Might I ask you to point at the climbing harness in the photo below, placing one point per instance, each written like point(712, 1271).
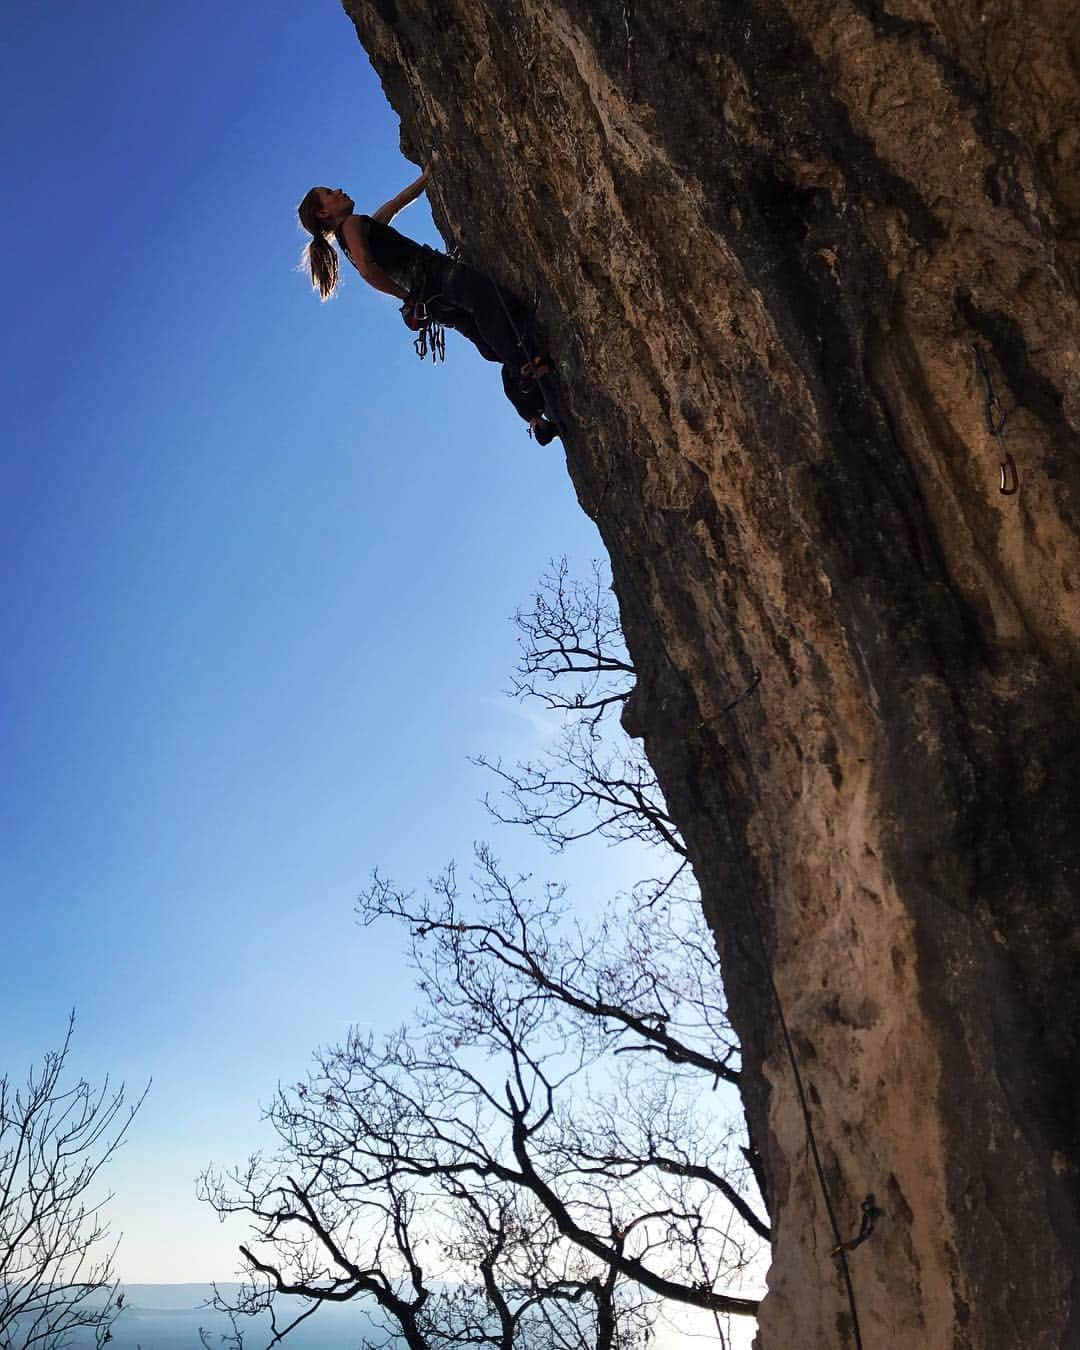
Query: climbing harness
point(430, 334)
point(425, 312)
point(996, 417)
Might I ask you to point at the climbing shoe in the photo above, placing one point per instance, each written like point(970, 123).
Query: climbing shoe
point(544, 432)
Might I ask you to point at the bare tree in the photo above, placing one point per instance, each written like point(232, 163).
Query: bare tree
point(640, 988)
point(644, 978)
point(509, 1146)
point(538, 1159)
point(572, 654)
point(56, 1258)
point(442, 1261)
point(226, 1340)
point(594, 780)
point(584, 787)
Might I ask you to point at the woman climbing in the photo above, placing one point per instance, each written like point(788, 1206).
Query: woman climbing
point(437, 291)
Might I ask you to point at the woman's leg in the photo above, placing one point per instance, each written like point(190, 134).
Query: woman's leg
point(463, 322)
point(494, 321)
point(499, 316)
point(525, 395)
point(433, 282)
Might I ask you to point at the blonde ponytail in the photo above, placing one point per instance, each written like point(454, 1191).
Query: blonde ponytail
point(320, 257)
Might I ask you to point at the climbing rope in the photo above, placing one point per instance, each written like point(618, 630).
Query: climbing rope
point(996, 417)
point(841, 1248)
point(528, 363)
point(870, 1212)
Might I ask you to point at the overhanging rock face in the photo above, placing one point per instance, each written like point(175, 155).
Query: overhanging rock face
point(764, 241)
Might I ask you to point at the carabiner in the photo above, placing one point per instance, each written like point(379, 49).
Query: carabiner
point(1010, 479)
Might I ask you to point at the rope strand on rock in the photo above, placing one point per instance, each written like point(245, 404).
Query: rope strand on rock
point(527, 356)
point(996, 417)
point(841, 1247)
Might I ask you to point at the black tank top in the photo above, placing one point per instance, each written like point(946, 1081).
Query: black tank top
point(393, 252)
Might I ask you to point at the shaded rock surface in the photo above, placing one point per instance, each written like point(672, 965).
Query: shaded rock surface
point(763, 241)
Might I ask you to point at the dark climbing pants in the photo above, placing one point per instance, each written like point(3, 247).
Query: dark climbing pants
point(490, 317)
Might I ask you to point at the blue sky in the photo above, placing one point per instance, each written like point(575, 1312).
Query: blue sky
point(257, 569)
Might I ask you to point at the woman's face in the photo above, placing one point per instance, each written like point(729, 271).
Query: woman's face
point(334, 203)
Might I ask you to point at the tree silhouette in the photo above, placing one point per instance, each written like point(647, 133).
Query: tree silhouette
point(536, 1160)
point(56, 1259)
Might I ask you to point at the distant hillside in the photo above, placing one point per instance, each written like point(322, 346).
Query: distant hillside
point(168, 1317)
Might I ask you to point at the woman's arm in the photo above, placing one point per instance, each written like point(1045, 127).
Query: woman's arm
point(386, 213)
point(354, 232)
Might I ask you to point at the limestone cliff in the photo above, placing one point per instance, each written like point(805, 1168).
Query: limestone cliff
point(764, 240)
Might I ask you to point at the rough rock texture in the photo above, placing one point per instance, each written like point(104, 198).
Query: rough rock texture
point(763, 239)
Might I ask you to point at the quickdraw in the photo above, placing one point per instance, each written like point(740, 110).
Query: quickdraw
point(430, 334)
point(996, 417)
point(870, 1216)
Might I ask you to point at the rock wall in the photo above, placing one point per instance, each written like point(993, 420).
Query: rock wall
point(764, 240)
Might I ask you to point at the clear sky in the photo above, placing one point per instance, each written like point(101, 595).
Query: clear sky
point(257, 565)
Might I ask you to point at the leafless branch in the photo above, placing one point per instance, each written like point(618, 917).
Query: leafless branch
point(56, 1258)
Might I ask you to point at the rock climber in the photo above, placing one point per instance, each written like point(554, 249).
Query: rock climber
point(437, 291)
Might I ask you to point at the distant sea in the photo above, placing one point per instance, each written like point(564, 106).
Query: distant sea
point(168, 1317)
